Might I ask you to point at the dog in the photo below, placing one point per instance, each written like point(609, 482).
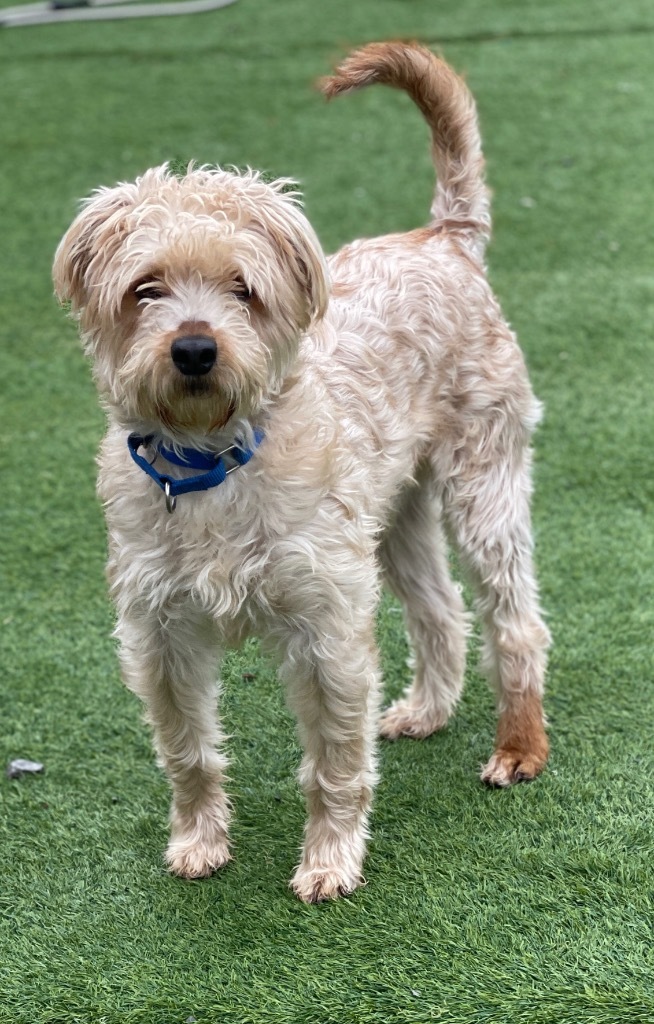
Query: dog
point(285, 432)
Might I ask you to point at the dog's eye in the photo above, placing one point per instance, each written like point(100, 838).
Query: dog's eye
point(241, 290)
point(150, 291)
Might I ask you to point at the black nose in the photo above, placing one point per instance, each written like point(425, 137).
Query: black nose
point(194, 355)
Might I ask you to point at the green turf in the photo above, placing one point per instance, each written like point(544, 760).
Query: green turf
point(482, 907)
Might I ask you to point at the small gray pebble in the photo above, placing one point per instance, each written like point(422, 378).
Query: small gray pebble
point(22, 767)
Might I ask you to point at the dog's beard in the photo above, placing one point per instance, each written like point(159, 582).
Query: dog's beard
point(149, 392)
point(191, 404)
point(197, 387)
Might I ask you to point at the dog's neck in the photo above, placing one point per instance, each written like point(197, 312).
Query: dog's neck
point(214, 468)
point(241, 426)
point(204, 443)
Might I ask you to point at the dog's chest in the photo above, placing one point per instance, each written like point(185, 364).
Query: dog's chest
point(217, 558)
point(215, 551)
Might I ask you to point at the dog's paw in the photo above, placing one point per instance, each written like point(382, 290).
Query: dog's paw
point(404, 719)
point(196, 860)
point(507, 767)
point(316, 885)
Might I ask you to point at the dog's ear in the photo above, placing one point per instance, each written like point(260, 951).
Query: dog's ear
point(296, 244)
point(310, 268)
point(92, 238)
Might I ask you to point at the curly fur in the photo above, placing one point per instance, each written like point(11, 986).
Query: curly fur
point(396, 409)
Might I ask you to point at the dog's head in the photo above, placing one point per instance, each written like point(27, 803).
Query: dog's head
point(192, 294)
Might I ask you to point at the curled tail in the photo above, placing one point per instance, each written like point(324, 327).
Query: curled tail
point(462, 198)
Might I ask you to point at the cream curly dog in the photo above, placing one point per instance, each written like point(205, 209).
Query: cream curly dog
point(318, 425)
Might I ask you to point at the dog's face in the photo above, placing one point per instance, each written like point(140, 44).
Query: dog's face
point(192, 294)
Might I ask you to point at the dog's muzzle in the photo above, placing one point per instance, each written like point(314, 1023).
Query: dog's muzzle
point(194, 355)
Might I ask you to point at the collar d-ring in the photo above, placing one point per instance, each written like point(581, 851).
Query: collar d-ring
point(171, 500)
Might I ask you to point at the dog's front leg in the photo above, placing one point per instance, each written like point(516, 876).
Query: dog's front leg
point(331, 667)
point(170, 660)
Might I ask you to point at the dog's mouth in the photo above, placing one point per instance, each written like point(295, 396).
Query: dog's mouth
point(202, 402)
point(197, 406)
point(197, 387)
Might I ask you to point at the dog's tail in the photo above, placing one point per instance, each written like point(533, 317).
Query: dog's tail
point(462, 199)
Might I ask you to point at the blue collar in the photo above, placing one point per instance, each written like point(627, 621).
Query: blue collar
point(214, 465)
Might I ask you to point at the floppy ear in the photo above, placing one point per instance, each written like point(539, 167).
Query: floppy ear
point(310, 265)
point(285, 226)
point(95, 234)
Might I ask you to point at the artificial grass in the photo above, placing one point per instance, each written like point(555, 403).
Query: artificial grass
point(526, 907)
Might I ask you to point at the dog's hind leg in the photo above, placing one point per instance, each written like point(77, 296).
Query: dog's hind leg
point(413, 555)
point(171, 661)
point(486, 502)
